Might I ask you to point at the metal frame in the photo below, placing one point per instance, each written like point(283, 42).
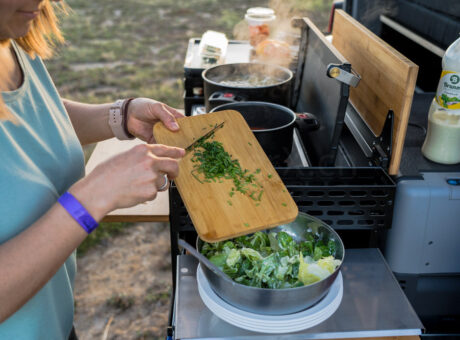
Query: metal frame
point(377, 149)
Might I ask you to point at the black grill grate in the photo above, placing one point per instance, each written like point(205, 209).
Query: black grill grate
point(344, 198)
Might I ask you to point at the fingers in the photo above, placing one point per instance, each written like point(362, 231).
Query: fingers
point(166, 151)
point(176, 113)
point(162, 159)
point(167, 166)
point(168, 116)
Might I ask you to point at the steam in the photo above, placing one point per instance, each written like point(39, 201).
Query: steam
point(279, 49)
point(280, 29)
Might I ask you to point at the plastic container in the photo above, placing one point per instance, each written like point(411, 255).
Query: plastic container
point(442, 142)
point(213, 48)
point(258, 19)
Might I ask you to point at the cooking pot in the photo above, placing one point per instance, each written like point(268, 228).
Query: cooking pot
point(272, 125)
point(216, 93)
point(280, 301)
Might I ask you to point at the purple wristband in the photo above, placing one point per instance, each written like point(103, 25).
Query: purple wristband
point(78, 212)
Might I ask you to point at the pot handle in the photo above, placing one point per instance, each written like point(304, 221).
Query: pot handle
point(220, 97)
point(306, 121)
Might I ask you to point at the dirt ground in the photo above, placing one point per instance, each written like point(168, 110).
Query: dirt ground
point(123, 286)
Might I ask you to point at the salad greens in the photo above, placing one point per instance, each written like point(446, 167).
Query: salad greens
point(274, 260)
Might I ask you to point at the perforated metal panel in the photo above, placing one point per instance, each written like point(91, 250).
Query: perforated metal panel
point(344, 198)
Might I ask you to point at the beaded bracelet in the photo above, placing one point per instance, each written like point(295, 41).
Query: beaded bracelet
point(78, 212)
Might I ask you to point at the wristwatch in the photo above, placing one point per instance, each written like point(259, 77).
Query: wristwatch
point(116, 118)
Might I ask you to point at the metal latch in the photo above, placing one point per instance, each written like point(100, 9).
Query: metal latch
point(335, 71)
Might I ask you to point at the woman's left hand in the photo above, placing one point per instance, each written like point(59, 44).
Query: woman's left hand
point(143, 113)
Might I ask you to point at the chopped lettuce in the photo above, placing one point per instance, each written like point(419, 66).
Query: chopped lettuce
point(274, 260)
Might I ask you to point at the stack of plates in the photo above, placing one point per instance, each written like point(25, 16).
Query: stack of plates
point(271, 323)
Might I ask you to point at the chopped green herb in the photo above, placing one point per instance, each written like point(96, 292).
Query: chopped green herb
point(229, 202)
point(246, 224)
point(270, 175)
point(260, 195)
point(213, 163)
point(284, 204)
point(250, 144)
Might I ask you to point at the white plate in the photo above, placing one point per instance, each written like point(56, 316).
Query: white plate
point(271, 323)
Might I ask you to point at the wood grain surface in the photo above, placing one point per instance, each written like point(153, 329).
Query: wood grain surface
point(387, 79)
point(216, 214)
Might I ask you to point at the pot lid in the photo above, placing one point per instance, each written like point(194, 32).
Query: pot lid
point(260, 13)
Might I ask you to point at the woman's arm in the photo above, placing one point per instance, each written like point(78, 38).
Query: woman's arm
point(90, 121)
point(30, 259)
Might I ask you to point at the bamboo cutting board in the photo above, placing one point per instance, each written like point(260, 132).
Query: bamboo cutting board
point(216, 214)
point(387, 79)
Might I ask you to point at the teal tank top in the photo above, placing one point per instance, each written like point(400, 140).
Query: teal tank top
point(41, 158)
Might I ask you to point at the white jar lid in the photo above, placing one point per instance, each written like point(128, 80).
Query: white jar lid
point(260, 14)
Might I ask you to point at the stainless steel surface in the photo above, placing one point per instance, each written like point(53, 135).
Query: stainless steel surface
point(204, 260)
point(298, 153)
point(373, 305)
point(355, 131)
point(280, 301)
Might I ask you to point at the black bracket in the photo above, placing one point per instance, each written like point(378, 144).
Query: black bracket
point(382, 145)
point(377, 149)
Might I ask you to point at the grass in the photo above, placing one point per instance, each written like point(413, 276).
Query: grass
point(153, 297)
point(148, 40)
point(102, 233)
point(121, 302)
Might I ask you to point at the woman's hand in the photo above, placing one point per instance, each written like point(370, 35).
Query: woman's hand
point(143, 113)
point(128, 179)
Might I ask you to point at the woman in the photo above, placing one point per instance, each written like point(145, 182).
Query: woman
point(47, 205)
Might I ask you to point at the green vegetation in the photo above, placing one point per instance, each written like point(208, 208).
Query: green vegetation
point(121, 302)
point(103, 232)
point(153, 297)
point(117, 49)
point(274, 260)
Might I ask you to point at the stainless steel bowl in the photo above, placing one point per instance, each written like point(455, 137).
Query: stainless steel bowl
point(279, 301)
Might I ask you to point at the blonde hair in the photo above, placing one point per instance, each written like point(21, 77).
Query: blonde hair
point(39, 40)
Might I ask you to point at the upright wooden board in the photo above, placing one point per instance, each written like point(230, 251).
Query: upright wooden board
point(216, 214)
point(387, 79)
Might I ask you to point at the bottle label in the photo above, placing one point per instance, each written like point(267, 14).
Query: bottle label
point(448, 93)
